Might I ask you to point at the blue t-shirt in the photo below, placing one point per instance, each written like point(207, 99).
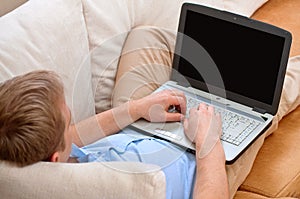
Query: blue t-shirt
point(177, 164)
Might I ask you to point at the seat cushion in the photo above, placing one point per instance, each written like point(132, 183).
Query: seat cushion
point(249, 195)
point(276, 170)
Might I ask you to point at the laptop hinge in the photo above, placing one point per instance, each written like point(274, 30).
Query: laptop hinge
point(259, 110)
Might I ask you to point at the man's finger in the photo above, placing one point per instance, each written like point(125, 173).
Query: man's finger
point(173, 117)
point(185, 124)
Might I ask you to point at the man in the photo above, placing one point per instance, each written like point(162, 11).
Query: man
point(35, 125)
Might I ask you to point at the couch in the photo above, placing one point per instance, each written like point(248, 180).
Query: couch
point(108, 52)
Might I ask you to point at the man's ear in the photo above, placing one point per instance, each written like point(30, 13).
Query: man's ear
point(54, 157)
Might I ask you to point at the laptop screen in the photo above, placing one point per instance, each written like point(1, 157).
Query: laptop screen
point(249, 56)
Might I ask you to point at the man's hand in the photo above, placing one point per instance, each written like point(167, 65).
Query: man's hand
point(203, 127)
point(155, 107)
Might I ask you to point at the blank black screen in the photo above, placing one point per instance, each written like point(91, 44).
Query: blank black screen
point(248, 59)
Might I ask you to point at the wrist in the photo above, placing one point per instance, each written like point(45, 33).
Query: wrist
point(215, 157)
point(135, 109)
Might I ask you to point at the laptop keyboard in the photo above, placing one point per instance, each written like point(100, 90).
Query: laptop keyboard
point(235, 127)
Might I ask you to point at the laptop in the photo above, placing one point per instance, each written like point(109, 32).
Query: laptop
point(231, 62)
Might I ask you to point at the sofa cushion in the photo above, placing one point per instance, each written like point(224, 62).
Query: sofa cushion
point(50, 35)
point(165, 14)
point(276, 171)
point(85, 180)
point(250, 195)
point(109, 22)
point(283, 14)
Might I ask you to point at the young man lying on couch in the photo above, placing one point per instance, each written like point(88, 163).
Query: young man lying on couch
point(35, 126)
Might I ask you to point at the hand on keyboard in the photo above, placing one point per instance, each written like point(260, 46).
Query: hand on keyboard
point(174, 109)
point(156, 107)
point(204, 128)
point(235, 127)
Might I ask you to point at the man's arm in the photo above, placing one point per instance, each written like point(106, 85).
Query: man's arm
point(204, 128)
point(211, 179)
point(152, 108)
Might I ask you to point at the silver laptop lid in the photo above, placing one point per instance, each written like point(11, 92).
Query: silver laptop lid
point(250, 56)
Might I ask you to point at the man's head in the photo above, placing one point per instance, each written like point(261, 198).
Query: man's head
point(34, 119)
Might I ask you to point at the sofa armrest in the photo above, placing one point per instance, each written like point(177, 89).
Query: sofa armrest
point(85, 180)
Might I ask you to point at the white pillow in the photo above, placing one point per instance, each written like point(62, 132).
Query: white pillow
point(50, 35)
point(108, 24)
point(84, 180)
point(165, 14)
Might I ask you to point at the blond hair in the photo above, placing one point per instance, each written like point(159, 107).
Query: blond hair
point(31, 121)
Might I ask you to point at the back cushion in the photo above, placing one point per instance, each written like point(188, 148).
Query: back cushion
point(49, 35)
point(108, 23)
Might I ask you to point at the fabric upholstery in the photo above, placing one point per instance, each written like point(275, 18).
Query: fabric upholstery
point(249, 195)
point(85, 180)
point(50, 35)
point(274, 173)
point(108, 23)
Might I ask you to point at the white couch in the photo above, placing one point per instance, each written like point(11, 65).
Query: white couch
point(83, 40)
